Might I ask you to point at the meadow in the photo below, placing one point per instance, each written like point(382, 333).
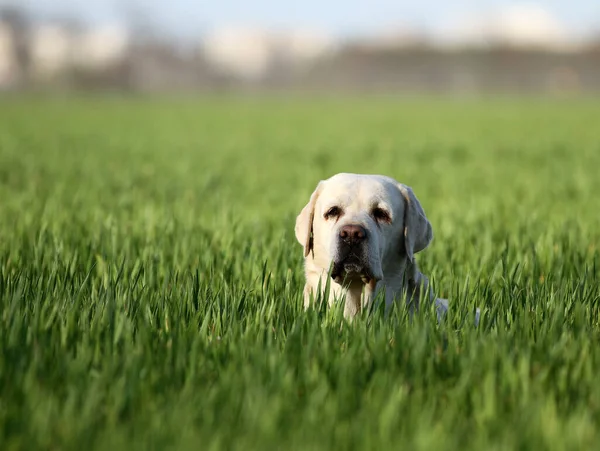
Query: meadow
point(150, 280)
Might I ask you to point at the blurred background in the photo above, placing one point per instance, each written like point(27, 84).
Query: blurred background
point(460, 47)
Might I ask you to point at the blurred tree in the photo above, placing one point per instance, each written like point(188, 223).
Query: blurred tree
point(19, 24)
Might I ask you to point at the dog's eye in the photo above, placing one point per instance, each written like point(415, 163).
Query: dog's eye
point(333, 212)
point(381, 215)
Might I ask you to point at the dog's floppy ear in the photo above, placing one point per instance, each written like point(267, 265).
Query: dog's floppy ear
point(417, 228)
point(304, 221)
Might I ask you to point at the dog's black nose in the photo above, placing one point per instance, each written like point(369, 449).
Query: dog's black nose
point(352, 234)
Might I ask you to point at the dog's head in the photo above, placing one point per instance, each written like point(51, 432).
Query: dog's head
point(359, 224)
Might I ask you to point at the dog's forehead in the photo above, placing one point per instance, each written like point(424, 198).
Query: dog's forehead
point(353, 189)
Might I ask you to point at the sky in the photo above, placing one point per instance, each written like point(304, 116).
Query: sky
point(188, 18)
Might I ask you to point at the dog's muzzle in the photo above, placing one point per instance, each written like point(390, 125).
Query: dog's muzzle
point(351, 264)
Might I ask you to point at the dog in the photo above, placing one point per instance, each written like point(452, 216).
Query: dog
point(363, 232)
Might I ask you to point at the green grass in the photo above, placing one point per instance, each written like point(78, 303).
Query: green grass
point(150, 281)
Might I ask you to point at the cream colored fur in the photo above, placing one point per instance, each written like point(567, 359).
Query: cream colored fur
point(388, 252)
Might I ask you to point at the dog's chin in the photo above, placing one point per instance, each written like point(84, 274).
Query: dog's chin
point(351, 271)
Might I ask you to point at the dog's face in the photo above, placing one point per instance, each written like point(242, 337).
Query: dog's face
point(357, 225)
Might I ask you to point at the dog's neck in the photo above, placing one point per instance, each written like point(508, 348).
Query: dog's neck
point(416, 285)
point(406, 279)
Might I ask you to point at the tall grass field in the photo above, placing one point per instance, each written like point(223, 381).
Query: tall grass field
point(151, 283)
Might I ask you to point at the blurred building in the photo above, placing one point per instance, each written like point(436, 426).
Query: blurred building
point(250, 53)
point(51, 51)
point(100, 48)
point(516, 50)
point(57, 49)
point(525, 26)
point(8, 63)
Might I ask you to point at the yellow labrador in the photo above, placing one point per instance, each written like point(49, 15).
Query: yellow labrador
point(363, 231)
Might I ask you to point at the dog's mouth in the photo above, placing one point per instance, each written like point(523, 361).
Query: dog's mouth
point(351, 269)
